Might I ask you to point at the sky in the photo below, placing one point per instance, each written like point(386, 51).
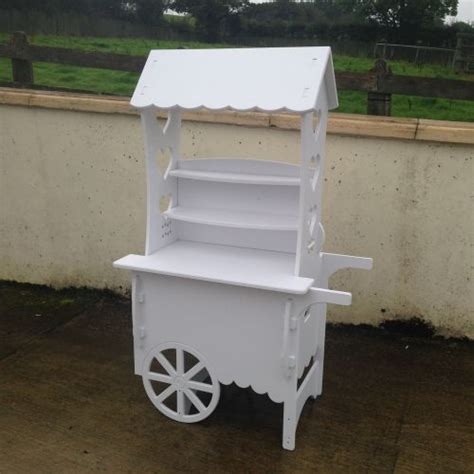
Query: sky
point(465, 11)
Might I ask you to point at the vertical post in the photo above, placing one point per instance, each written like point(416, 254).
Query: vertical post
point(310, 230)
point(457, 60)
point(464, 54)
point(417, 55)
point(379, 103)
point(22, 68)
point(160, 231)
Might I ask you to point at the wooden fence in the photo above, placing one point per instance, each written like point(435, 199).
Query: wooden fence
point(379, 83)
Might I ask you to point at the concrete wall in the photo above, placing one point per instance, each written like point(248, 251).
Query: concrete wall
point(72, 199)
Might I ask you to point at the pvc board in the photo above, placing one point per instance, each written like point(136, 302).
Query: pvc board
point(252, 268)
point(267, 79)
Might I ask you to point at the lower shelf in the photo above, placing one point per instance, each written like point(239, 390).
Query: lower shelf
point(237, 219)
point(243, 178)
point(261, 269)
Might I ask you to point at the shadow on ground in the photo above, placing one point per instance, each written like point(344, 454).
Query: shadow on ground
point(69, 401)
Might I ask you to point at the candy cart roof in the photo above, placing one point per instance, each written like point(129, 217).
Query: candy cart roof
point(266, 79)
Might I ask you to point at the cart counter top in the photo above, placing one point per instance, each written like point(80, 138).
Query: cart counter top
point(252, 268)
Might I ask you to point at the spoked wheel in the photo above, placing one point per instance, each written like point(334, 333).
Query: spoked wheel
point(180, 383)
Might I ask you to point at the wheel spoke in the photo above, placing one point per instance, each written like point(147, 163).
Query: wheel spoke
point(201, 387)
point(180, 361)
point(165, 394)
point(165, 363)
point(194, 370)
point(181, 403)
point(159, 377)
point(194, 399)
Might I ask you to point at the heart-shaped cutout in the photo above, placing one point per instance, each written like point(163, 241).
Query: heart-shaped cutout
point(312, 219)
point(163, 160)
point(316, 162)
point(165, 202)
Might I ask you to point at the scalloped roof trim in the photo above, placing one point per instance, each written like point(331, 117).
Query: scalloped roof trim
point(222, 108)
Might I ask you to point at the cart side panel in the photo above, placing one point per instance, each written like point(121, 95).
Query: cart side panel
point(311, 325)
point(238, 330)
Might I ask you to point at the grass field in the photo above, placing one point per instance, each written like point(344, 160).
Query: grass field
point(122, 83)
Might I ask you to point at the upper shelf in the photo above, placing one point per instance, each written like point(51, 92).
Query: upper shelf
point(266, 79)
point(238, 170)
point(241, 178)
point(252, 268)
point(230, 218)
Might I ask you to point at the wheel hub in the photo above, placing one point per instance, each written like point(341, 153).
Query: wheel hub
point(179, 382)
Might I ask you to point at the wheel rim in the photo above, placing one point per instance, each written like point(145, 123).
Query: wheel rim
point(180, 383)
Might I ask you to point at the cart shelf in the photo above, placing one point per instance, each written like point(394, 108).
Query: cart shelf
point(262, 269)
point(231, 218)
point(238, 178)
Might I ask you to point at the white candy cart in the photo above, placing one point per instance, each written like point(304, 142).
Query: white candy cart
point(233, 285)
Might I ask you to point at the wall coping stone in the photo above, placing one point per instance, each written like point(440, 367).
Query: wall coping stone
point(339, 123)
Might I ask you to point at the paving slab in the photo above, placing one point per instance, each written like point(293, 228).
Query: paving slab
point(69, 401)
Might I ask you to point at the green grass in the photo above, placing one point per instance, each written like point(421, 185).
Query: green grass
point(403, 68)
point(102, 81)
point(123, 83)
point(132, 46)
point(354, 102)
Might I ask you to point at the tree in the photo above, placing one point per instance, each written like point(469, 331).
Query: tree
point(404, 18)
point(210, 15)
point(150, 12)
point(96, 8)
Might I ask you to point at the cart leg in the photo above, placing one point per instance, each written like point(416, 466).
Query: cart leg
point(290, 422)
point(320, 338)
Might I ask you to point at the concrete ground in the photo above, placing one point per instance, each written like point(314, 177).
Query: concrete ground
point(69, 401)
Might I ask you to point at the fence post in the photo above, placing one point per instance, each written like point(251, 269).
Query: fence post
point(22, 68)
point(379, 103)
point(464, 54)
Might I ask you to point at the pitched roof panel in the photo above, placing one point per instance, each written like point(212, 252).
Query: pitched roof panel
point(267, 79)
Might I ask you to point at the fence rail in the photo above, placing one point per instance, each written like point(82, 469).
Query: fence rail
point(417, 54)
point(379, 83)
